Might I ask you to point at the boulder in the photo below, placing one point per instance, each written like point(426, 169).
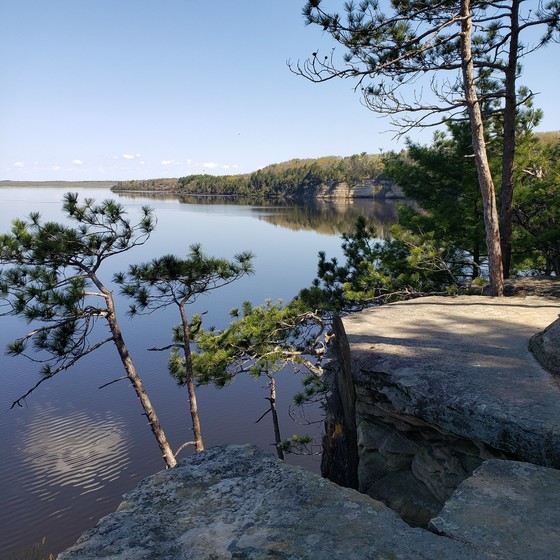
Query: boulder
point(545, 346)
point(241, 502)
point(443, 384)
point(506, 508)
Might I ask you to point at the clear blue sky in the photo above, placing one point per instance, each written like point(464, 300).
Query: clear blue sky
point(127, 89)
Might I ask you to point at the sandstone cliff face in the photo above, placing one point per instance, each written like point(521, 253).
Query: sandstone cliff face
point(413, 466)
point(509, 509)
point(369, 188)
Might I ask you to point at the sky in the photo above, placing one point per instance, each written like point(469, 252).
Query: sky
point(132, 89)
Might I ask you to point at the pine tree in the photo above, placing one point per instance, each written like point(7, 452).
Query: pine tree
point(50, 277)
point(169, 280)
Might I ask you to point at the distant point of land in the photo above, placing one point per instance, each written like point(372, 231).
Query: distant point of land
point(60, 184)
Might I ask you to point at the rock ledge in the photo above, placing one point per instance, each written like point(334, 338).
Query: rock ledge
point(241, 502)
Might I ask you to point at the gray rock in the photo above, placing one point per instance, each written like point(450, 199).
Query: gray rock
point(339, 461)
point(443, 384)
point(546, 347)
point(506, 508)
point(240, 502)
point(462, 365)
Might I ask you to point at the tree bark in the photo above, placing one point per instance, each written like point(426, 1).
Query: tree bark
point(275, 422)
point(508, 148)
point(197, 431)
point(486, 183)
point(136, 382)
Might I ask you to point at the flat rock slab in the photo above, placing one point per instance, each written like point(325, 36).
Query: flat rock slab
point(463, 364)
point(507, 508)
point(241, 502)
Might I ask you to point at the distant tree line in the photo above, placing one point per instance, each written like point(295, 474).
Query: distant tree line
point(297, 178)
point(439, 246)
point(162, 184)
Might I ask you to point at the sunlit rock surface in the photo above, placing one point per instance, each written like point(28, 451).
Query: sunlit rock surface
point(443, 384)
point(506, 508)
point(241, 502)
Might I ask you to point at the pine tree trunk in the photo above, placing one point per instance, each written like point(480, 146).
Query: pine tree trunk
point(486, 183)
point(508, 149)
point(136, 382)
point(197, 431)
point(275, 422)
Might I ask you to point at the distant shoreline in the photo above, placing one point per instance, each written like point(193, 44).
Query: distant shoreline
point(59, 184)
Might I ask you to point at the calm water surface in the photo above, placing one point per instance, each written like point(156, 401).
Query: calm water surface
point(74, 449)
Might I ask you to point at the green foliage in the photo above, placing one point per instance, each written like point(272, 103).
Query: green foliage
point(387, 47)
point(537, 207)
point(549, 137)
point(169, 280)
point(153, 185)
point(442, 179)
point(297, 178)
point(263, 339)
point(377, 270)
point(297, 444)
point(49, 276)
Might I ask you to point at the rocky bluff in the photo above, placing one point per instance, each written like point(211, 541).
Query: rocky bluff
point(437, 409)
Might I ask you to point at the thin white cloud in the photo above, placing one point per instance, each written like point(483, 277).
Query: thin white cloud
point(19, 164)
point(56, 167)
point(167, 161)
point(210, 165)
point(128, 156)
point(77, 162)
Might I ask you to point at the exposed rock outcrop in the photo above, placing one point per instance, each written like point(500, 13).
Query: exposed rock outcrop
point(339, 461)
point(439, 389)
point(241, 502)
point(443, 384)
point(506, 508)
point(368, 188)
point(545, 346)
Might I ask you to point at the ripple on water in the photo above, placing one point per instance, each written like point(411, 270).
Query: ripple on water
point(63, 455)
point(75, 450)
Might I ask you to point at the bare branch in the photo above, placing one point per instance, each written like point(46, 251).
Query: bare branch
point(114, 381)
point(268, 410)
point(163, 348)
point(63, 367)
point(181, 447)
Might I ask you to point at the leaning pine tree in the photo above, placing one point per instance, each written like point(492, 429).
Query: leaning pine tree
point(171, 281)
point(49, 277)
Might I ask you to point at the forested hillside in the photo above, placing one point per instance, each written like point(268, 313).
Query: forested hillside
point(297, 178)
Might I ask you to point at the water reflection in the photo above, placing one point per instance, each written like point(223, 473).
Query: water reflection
point(62, 456)
point(333, 216)
point(73, 450)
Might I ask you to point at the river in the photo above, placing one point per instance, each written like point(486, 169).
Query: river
point(71, 452)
